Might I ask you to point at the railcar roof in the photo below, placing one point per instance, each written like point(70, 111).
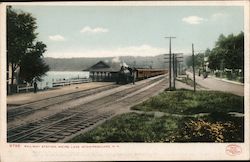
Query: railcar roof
point(150, 69)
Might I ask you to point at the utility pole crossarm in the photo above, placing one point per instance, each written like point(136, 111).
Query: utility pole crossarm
point(170, 37)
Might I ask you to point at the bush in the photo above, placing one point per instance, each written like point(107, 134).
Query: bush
point(241, 79)
point(217, 74)
point(204, 130)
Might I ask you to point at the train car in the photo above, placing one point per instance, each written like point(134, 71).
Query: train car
point(147, 73)
point(127, 74)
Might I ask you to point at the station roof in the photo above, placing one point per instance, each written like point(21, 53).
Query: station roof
point(102, 66)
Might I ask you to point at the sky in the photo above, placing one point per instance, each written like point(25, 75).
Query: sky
point(111, 31)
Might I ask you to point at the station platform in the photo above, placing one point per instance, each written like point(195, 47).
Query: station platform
point(23, 98)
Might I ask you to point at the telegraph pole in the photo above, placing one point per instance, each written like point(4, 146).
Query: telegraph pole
point(176, 57)
point(179, 68)
point(170, 74)
point(174, 70)
point(193, 67)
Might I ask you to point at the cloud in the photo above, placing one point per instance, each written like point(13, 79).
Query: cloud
point(56, 38)
point(219, 15)
point(193, 19)
point(142, 50)
point(95, 30)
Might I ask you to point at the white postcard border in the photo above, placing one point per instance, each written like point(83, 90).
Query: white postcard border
point(121, 151)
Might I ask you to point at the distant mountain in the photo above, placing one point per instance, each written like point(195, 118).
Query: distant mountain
point(79, 64)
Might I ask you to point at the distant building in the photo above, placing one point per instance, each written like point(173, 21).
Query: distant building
point(104, 71)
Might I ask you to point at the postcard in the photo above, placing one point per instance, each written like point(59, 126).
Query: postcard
point(124, 80)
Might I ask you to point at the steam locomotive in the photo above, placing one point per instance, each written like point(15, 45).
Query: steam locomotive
point(129, 75)
point(125, 75)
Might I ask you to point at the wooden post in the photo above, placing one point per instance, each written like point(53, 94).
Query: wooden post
point(176, 65)
point(174, 70)
point(170, 70)
point(179, 68)
point(193, 67)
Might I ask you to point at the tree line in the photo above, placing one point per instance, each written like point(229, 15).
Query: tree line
point(24, 51)
point(228, 53)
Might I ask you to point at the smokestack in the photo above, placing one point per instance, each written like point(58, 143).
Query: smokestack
point(124, 64)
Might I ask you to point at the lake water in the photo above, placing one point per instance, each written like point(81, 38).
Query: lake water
point(55, 76)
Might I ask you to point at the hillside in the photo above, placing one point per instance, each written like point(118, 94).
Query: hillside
point(79, 64)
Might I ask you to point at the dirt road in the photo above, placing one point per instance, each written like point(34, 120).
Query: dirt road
point(218, 85)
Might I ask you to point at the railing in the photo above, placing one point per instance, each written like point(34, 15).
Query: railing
point(55, 84)
point(69, 82)
point(19, 88)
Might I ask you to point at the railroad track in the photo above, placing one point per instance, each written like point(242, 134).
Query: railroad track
point(45, 103)
point(63, 124)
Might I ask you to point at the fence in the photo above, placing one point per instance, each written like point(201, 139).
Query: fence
point(69, 82)
point(54, 84)
point(27, 88)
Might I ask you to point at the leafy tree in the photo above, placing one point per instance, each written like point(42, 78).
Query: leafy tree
point(220, 41)
point(21, 45)
point(188, 61)
point(207, 52)
point(216, 58)
point(228, 52)
point(234, 55)
point(198, 58)
point(32, 66)
point(20, 35)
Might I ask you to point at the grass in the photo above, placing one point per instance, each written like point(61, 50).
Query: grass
point(218, 126)
point(188, 102)
point(187, 81)
point(132, 127)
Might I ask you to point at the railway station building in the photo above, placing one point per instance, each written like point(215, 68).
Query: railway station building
point(104, 71)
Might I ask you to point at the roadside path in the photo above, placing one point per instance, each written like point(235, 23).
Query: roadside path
point(218, 85)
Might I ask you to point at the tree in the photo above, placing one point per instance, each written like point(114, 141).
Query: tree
point(198, 58)
point(207, 52)
point(188, 61)
point(234, 55)
point(32, 66)
point(215, 58)
point(21, 45)
point(20, 35)
point(228, 51)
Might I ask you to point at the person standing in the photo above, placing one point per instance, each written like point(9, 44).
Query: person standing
point(35, 87)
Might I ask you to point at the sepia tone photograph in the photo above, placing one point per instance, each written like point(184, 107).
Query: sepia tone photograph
point(124, 73)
